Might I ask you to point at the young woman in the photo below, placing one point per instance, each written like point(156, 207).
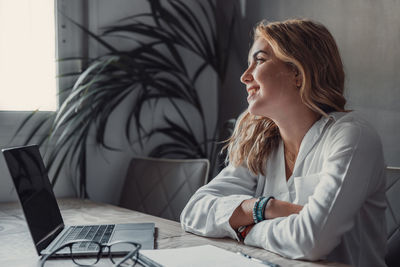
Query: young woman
point(305, 177)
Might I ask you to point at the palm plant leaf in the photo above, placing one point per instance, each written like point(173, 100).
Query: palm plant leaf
point(153, 71)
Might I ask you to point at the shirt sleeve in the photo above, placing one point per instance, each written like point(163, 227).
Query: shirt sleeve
point(208, 211)
point(351, 170)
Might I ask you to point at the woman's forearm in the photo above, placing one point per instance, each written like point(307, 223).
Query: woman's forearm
point(243, 214)
point(278, 208)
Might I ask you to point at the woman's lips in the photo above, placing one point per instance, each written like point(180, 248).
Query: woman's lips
point(252, 92)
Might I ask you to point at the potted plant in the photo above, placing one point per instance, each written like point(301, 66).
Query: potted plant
point(155, 71)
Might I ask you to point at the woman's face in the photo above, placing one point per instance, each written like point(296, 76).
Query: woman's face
point(272, 85)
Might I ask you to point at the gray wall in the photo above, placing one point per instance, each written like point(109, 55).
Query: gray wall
point(368, 36)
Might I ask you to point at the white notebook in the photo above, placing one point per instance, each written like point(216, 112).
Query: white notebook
point(206, 255)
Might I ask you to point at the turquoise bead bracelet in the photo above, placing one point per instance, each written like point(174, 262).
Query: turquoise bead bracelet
point(259, 209)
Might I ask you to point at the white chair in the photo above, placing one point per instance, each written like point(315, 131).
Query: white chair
point(162, 187)
point(393, 216)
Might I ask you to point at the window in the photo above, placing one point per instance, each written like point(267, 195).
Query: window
point(27, 53)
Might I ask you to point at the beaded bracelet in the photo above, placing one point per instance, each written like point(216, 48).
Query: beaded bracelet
point(259, 209)
point(263, 204)
point(256, 210)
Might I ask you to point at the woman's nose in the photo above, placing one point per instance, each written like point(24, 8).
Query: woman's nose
point(246, 76)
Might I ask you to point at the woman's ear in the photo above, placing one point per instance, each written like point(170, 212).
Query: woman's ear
point(297, 75)
point(299, 80)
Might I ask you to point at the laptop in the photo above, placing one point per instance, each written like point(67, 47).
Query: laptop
point(43, 215)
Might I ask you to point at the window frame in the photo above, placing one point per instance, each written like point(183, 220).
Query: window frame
point(70, 42)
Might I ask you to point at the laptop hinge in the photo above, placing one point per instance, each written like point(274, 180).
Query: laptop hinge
point(50, 236)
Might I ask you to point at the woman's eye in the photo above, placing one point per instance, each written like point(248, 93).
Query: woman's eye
point(259, 59)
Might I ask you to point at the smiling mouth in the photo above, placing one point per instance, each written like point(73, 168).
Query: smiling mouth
point(252, 91)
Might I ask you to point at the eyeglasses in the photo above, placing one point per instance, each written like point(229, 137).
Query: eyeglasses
point(116, 250)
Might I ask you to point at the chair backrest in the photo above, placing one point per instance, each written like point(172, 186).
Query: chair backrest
point(393, 215)
point(162, 187)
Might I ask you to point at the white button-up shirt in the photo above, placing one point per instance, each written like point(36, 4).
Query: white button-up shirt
point(339, 179)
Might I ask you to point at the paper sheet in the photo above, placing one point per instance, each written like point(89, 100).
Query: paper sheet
point(206, 255)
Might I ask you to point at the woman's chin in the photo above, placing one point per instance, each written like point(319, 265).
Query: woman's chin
point(258, 110)
point(254, 111)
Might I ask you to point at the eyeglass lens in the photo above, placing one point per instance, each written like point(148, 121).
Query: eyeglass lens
point(80, 258)
point(119, 250)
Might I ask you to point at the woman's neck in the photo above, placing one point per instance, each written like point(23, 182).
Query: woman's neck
point(293, 128)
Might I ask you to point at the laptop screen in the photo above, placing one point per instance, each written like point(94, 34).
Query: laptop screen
point(35, 194)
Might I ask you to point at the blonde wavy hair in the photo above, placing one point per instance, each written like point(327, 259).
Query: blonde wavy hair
point(309, 47)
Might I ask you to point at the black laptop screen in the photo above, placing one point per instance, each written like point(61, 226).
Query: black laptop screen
point(35, 194)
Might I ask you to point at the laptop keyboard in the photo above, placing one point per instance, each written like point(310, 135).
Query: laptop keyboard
point(99, 233)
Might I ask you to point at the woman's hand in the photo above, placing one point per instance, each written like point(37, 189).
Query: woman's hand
point(243, 214)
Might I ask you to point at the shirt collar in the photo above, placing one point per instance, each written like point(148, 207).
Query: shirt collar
point(313, 135)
